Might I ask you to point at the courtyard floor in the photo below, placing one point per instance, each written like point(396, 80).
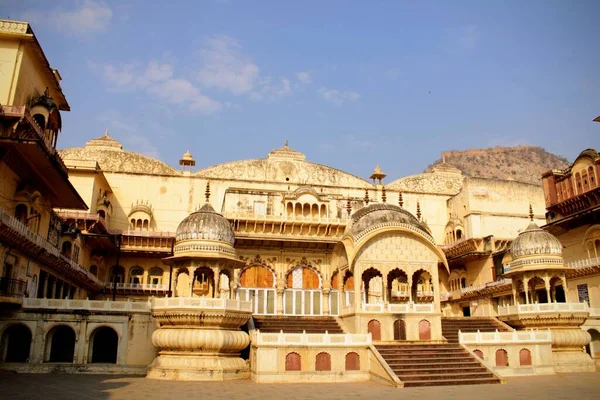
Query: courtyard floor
point(581, 386)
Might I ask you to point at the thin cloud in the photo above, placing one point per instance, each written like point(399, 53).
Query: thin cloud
point(225, 67)
point(338, 97)
point(304, 77)
point(91, 16)
point(464, 39)
point(158, 80)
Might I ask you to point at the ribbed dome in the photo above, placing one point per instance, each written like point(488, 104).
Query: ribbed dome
point(535, 241)
point(383, 214)
point(205, 224)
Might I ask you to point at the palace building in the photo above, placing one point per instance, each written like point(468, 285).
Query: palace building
point(278, 269)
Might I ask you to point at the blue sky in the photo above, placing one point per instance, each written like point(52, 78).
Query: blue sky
point(351, 84)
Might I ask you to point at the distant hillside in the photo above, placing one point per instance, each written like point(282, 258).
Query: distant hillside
point(520, 163)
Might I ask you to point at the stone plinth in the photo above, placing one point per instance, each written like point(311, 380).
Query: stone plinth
point(200, 339)
point(563, 321)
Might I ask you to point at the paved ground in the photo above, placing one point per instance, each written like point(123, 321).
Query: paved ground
point(581, 386)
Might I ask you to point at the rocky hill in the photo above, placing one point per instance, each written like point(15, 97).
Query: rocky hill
point(520, 163)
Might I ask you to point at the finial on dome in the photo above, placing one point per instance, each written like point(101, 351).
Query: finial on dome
point(349, 206)
point(383, 196)
point(366, 196)
point(106, 132)
point(207, 192)
point(418, 211)
point(286, 144)
point(530, 213)
point(400, 200)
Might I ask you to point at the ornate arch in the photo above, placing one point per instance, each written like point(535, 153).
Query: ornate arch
point(103, 325)
point(263, 265)
point(61, 323)
point(307, 266)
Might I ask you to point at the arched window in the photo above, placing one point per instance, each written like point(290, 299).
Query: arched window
point(478, 353)
point(102, 214)
point(524, 357)
point(501, 358)
point(459, 234)
point(136, 275)
point(257, 276)
point(374, 328)
point(352, 362)
point(94, 270)
point(303, 277)
point(293, 362)
point(155, 276)
point(399, 329)
point(67, 249)
point(40, 120)
point(323, 362)
point(592, 177)
point(424, 330)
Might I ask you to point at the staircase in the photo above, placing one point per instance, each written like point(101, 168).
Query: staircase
point(451, 326)
point(434, 365)
point(291, 324)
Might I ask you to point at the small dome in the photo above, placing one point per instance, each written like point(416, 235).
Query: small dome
point(187, 156)
point(534, 241)
point(383, 214)
point(205, 224)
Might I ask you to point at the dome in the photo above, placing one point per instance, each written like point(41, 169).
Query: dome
point(378, 215)
point(534, 241)
point(205, 224)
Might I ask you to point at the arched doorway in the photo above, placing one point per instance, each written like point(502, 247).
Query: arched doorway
point(424, 330)
point(61, 343)
point(374, 328)
point(348, 288)
point(593, 348)
point(16, 344)
point(399, 329)
point(257, 285)
point(303, 295)
point(105, 343)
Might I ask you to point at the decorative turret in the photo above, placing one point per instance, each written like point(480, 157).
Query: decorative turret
point(187, 160)
point(377, 175)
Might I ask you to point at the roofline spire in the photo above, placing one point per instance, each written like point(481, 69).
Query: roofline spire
point(530, 213)
point(207, 192)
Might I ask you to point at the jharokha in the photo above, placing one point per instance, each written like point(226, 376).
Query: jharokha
point(278, 269)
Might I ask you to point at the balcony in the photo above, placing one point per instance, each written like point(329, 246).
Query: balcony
point(12, 291)
point(90, 220)
point(544, 309)
point(148, 242)
point(33, 157)
point(399, 308)
point(18, 236)
point(581, 268)
point(254, 225)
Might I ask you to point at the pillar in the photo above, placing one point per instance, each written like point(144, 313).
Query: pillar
point(174, 278)
point(326, 301)
point(526, 288)
point(192, 271)
point(547, 284)
point(384, 295)
point(279, 310)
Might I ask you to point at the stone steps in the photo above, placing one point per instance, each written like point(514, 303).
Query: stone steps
point(434, 364)
point(291, 324)
point(451, 326)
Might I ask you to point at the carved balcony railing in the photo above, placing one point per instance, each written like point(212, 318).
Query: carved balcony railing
point(90, 305)
point(12, 287)
point(136, 287)
point(252, 225)
point(516, 337)
point(18, 235)
point(543, 308)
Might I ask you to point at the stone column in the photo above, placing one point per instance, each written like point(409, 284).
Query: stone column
point(279, 309)
point(384, 295)
point(547, 284)
point(526, 288)
point(325, 304)
point(174, 277)
point(192, 271)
